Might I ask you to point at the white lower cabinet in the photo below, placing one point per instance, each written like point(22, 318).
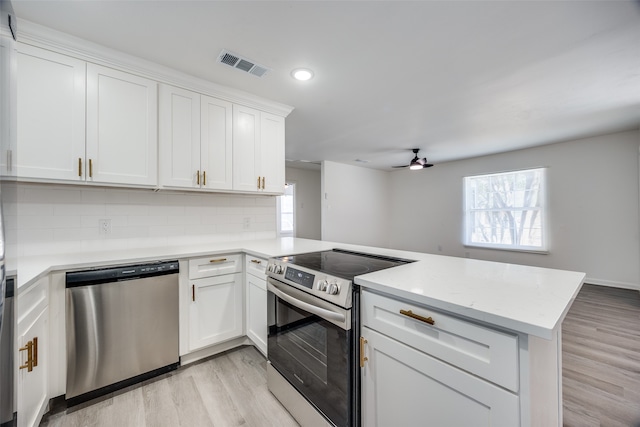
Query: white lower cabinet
point(425, 366)
point(402, 386)
point(256, 289)
point(215, 300)
point(216, 310)
point(32, 353)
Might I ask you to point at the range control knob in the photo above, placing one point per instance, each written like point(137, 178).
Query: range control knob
point(269, 267)
point(322, 285)
point(279, 269)
point(333, 289)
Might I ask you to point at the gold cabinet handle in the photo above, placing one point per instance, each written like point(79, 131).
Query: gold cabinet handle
point(204, 178)
point(90, 168)
point(193, 292)
point(217, 260)
point(256, 261)
point(411, 314)
point(29, 363)
point(263, 180)
point(362, 356)
point(35, 351)
point(258, 183)
point(198, 177)
point(79, 166)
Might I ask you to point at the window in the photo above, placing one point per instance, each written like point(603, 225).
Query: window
point(286, 211)
point(506, 210)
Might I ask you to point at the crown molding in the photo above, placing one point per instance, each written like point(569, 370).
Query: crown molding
point(47, 38)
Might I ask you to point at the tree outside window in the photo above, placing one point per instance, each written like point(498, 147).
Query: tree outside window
point(506, 210)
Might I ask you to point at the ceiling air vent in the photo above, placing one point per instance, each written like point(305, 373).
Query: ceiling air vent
point(241, 63)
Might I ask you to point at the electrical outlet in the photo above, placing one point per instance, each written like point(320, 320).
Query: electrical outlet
point(104, 226)
point(246, 223)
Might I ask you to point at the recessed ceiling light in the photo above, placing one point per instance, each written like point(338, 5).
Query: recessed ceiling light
point(302, 74)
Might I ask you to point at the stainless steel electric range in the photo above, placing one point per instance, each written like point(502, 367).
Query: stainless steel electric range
point(314, 327)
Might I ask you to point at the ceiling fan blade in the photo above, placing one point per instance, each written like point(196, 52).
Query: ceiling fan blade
point(427, 165)
point(405, 166)
point(422, 161)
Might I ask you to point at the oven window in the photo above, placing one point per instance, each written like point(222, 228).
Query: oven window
point(313, 355)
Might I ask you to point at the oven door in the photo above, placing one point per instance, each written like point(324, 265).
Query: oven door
point(310, 344)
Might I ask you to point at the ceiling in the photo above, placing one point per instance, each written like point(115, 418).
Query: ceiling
point(456, 79)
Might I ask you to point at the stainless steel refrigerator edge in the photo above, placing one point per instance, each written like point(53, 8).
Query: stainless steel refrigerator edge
point(7, 137)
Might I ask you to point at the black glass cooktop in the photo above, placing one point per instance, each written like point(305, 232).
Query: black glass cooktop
point(341, 263)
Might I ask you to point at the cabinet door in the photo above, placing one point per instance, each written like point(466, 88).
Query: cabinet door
point(122, 117)
point(402, 386)
point(272, 152)
point(32, 386)
point(50, 115)
point(216, 145)
point(246, 148)
point(257, 311)
point(215, 310)
point(179, 137)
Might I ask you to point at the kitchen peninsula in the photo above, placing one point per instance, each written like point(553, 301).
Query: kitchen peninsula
point(497, 331)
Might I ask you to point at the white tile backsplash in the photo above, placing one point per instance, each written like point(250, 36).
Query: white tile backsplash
point(52, 218)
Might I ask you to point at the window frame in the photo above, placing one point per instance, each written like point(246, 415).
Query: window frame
point(542, 213)
point(279, 212)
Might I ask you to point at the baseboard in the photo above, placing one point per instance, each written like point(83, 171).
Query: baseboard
point(612, 283)
point(214, 349)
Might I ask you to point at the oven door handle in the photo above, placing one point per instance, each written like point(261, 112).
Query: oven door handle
point(313, 309)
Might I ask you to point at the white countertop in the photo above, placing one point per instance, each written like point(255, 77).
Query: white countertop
point(525, 299)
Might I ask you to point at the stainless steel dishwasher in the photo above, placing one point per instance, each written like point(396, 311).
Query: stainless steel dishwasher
point(121, 327)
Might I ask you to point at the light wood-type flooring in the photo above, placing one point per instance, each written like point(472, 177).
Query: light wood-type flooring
point(226, 390)
point(601, 379)
point(601, 358)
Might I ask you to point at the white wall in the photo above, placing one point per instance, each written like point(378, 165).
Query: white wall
point(355, 205)
point(593, 193)
point(52, 219)
point(308, 206)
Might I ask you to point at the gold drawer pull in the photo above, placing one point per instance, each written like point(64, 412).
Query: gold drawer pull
point(90, 168)
point(258, 183)
point(204, 178)
point(198, 177)
point(409, 313)
point(263, 180)
point(193, 292)
point(79, 167)
point(362, 356)
point(217, 260)
point(256, 261)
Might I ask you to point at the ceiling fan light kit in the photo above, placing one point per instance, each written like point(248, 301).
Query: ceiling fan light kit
point(416, 163)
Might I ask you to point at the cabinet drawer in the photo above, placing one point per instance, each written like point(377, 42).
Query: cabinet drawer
point(215, 265)
point(480, 350)
point(255, 266)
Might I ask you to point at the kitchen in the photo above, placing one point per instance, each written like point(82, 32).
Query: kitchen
point(54, 219)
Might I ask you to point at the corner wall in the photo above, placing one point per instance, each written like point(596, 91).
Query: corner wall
point(308, 206)
point(355, 205)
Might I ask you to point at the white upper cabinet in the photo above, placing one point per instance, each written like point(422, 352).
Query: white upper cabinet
point(179, 137)
point(216, 144)
point(122, 120)
point(272, 153)
point(195, 140)
point(50, 115)
point(258, 156)
point(246, 140)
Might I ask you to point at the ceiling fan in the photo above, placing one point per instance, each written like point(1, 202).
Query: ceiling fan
point(416, 163)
